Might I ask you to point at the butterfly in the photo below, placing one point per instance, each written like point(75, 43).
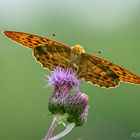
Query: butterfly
point(93, 69)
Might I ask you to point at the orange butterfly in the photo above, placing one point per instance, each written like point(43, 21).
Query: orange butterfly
point(93, 69)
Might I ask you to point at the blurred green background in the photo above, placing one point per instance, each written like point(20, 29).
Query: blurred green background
point(110, 26)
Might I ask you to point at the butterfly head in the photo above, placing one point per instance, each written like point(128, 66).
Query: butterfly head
point(77, 49)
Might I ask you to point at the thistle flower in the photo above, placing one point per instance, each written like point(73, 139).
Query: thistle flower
point(67, 103)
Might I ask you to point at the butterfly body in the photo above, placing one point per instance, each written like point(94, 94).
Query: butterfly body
point(93, 69)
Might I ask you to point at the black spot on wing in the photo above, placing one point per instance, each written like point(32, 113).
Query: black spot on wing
point(39, 50)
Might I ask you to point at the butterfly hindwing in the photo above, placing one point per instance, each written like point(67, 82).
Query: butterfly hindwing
point(95, 72)
point(52, 56)
point(124, 75)
point(109, 74)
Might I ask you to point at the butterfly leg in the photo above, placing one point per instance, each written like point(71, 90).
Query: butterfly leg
point(76, 68)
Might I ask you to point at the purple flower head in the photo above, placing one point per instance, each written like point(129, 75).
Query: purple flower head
point(63, 76)
point(63, 101)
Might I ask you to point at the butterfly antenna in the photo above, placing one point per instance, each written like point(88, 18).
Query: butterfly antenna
point(93, 51)
point(54, 35)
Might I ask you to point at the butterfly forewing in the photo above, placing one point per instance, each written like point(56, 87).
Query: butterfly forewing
point(31, 41)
